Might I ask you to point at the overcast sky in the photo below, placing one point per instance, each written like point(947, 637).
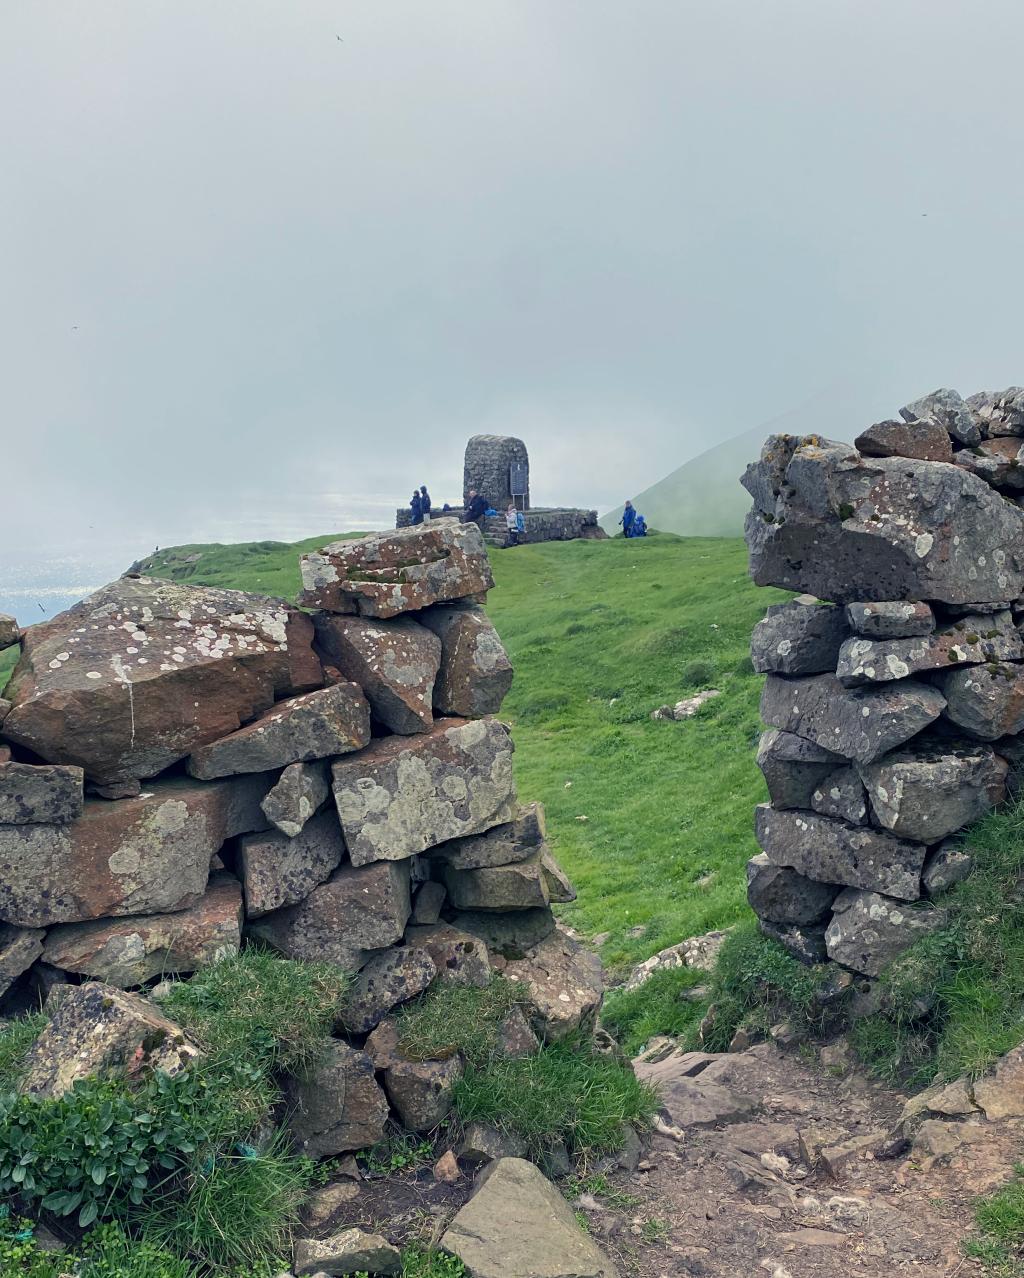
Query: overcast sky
point(257, 280)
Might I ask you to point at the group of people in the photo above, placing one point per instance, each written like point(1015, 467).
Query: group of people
point(633, 523)
point(476, 508)
point(420, 505)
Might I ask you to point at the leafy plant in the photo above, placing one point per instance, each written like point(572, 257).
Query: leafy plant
point(398, 1152)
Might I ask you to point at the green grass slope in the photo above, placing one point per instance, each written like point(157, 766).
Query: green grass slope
point(652, 819)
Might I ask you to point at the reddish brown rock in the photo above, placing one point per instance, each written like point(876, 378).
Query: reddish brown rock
point(148, 855)
point(329, 721)
point(998, 461)
point(9, 632)
point(279, 871)
point(142, 672)
point(128, 952)
point(394, 662)
point(475, 670)
point(389, 573)
point(926, 440)
point(421, 1091)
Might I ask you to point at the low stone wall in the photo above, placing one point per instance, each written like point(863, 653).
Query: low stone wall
point(542, 524)
point(894, 709)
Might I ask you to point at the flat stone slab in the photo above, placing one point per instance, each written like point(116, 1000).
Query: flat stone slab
point(985, 701)
point(403, 795)
point(42, 795)
point(798, 638)
point(501, 845)
point(353, 1251)
point(971, 640)
point(793, 767)
point(301, 790)
point(869, 930)
point(522, 885)
point(475, 671)
point(890, 620)
point(689, 1099)
point(832, 852)
point(389, 573)
point(858, 723)
point(278, 871)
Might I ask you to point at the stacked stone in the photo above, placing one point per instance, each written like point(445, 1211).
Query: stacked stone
point(184, 768)
point(893, 708)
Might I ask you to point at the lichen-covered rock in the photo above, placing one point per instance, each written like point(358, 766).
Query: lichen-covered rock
point(394, 662)
point(143, 672)
point(833, 852)
point(782, 895)
point(949, 410)
point(403, 795)
point(353, 1251)
point(97, 1029)
point(798, 638)
point(930, 789)
point(300, 791)
point(998, 412)
point(421, 1091)
point(1000, 462)
point(946, 866)
point(385, 981)
point(793, 767)
point(389, 573)
point(329, 721)
point(890, 619)
point(459, 957)
point(148, 855)
point(337, 1106)
point(968, 641)
point(520, 886)
point(345, 920)
point(43, 795)
point(19, 949)
point(985, 701)
point(842, 527)
point(513, 935)
point(858, 723)
point(562, 984)
point(805, 943)
point(925, 440)
point(279, 871)
point(869, 930)
point(841, 794)
point(475, 671)
point(501, 845)
point(129, 952)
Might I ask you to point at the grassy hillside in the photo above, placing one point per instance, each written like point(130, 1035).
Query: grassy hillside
point(652, 819)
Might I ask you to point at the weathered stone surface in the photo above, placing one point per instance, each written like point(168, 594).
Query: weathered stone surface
point(97, 1029)
point(798, 638)
point(928, 790)
point(9, 632)
point(998, 412)
point(47, 795)
point(520, 886)
point(793, 767)
point(19, 949)
point(946, 866)
point(518, 1224)
point(698, 952)
point(389, 573)
point(475, 670)
point(458, 956)
point(690, 1097)
point(781, 895)
point(353, 1251)
point(322, 1206)
point(858, 723)
point(345, 920)
point(149, 855)
point(511, 935)
point(869, 930)
point(1000, 462)
point(949, 410)
point(279, 871)
point(386, 980)
point(925, 440)
point(559, 888)
point(421, 1091)
point(562, 984)
point(985, 701)
point(128, 952)
point(805, 943)
point(401, 796)
point(338, 1106)
point(842, 527)
point(143, 672)
point(833, 852)
point(394, 662)
point(482, 1143)
point(834, 1158)
point(329, 721)
point(841, 794)
point(968, 641)
point(300, 791)
point(382, 1044)
point(1000, 1092)
point(890, 619)
point(428, 902)
point(512, 841)
point(516, 1037)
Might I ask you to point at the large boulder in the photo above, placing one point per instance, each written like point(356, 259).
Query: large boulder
point(129, 952)
point(932, 788)
point(793, 767)
point(985, 701)
point(300, 791)
point(517, 1225)
point(19, 949)
point(147, 855)
point(143, 672)
point(562, 986)
point(839, 526)
point(403, 795)
point(394, 662)
point(393, 572)
point(387, 980)
point(833, 852)
point(337, 1106)
point(869, 930)
point(970, 640)
point(782, 895)
point(329, 721)
point(97, 1029)
point(857, 723)
point(40, 795)
point(798, 638)
point(475, 670)
point(344, 921)
point(279, 871)
point(925, 440)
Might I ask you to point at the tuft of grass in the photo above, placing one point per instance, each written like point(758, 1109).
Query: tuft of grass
point(425, 1262)
point(999, 1244)
point(454, 1018)
point(657, 1007)
point(8, 660)
point(16, 1037)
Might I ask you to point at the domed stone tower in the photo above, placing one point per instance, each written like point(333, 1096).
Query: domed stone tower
point(498, 467)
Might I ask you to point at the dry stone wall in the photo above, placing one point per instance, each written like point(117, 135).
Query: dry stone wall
point(183, 769)
point(894, 690)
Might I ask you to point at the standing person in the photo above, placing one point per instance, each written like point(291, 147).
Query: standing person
point(628, 515)
point(475, 508)
point(425, 503)
point(512, 524)
point(416, 506)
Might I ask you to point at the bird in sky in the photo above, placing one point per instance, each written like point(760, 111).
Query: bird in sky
point(339, 39)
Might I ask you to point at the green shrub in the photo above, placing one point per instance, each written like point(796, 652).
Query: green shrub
point(454, 1018)
point(697, 674)
point(657, 1007)
point(108, 1252)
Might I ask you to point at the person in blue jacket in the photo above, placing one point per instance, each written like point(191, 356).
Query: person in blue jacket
point(628, 516)
point(425, 503)
point(416, 506)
